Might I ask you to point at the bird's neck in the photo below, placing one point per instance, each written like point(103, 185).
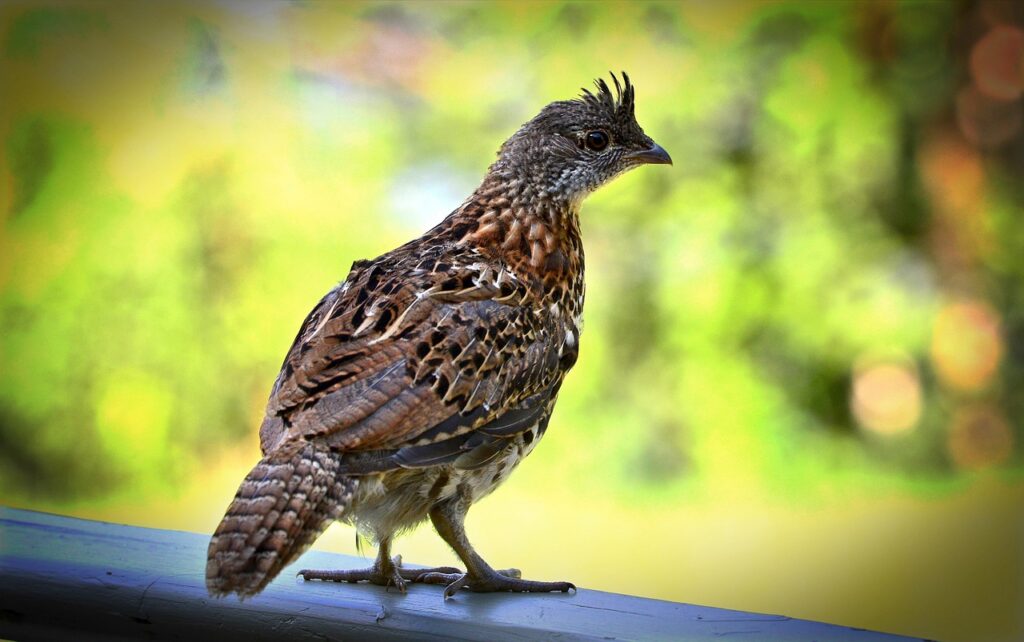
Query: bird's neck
point(531, 231)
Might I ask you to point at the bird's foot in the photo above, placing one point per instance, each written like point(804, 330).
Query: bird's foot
point(387, 574)
point(510, 580)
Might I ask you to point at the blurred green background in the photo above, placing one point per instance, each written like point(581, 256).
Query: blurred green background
point(800, 386)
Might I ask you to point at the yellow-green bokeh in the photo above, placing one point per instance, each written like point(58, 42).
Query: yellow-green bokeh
point(799, 388)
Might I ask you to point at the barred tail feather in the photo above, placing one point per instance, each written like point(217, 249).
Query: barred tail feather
point(289, 498)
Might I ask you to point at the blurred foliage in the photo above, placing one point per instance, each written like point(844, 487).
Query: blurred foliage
point(826, 291)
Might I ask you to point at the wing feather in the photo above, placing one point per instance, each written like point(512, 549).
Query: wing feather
point(412, 366)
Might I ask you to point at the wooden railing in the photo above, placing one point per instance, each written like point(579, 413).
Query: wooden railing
point(71, 579)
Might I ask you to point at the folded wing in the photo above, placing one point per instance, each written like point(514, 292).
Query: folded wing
point(441, 366)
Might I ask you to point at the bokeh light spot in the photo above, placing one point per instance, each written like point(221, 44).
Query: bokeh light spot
point(953, 174)
point(886, 396)
point(979, 437)
point(997, 63)
point(967, 345)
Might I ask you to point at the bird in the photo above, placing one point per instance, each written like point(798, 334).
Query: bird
point(416, 386)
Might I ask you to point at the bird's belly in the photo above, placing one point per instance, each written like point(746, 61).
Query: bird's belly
point(388, 503)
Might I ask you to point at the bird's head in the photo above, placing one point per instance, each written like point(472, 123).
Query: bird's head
point(572, 147)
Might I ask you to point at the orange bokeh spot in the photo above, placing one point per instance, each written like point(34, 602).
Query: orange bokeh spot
point(997, 63)
point(967, 345)
point(953, 174)
point(979, 436)
point(886, 397)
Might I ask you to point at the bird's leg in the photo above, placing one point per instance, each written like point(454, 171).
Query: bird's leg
point(386, 571)
point(448, 519)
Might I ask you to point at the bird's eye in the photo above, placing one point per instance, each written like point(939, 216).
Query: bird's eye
point(597, 140)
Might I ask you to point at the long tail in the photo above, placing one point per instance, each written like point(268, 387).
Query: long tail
point(286, 501)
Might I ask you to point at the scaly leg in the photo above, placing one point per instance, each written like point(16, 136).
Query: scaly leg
point(448, 519)
point(386, 571)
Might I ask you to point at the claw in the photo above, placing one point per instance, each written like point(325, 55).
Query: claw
point(396, 581)
point(453, 588)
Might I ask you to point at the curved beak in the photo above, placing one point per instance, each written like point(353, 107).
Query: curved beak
point(653, 155)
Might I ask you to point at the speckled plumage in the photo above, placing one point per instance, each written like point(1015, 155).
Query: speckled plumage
point(417, 385)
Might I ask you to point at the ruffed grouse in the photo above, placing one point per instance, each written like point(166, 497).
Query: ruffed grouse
point(416, 386)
